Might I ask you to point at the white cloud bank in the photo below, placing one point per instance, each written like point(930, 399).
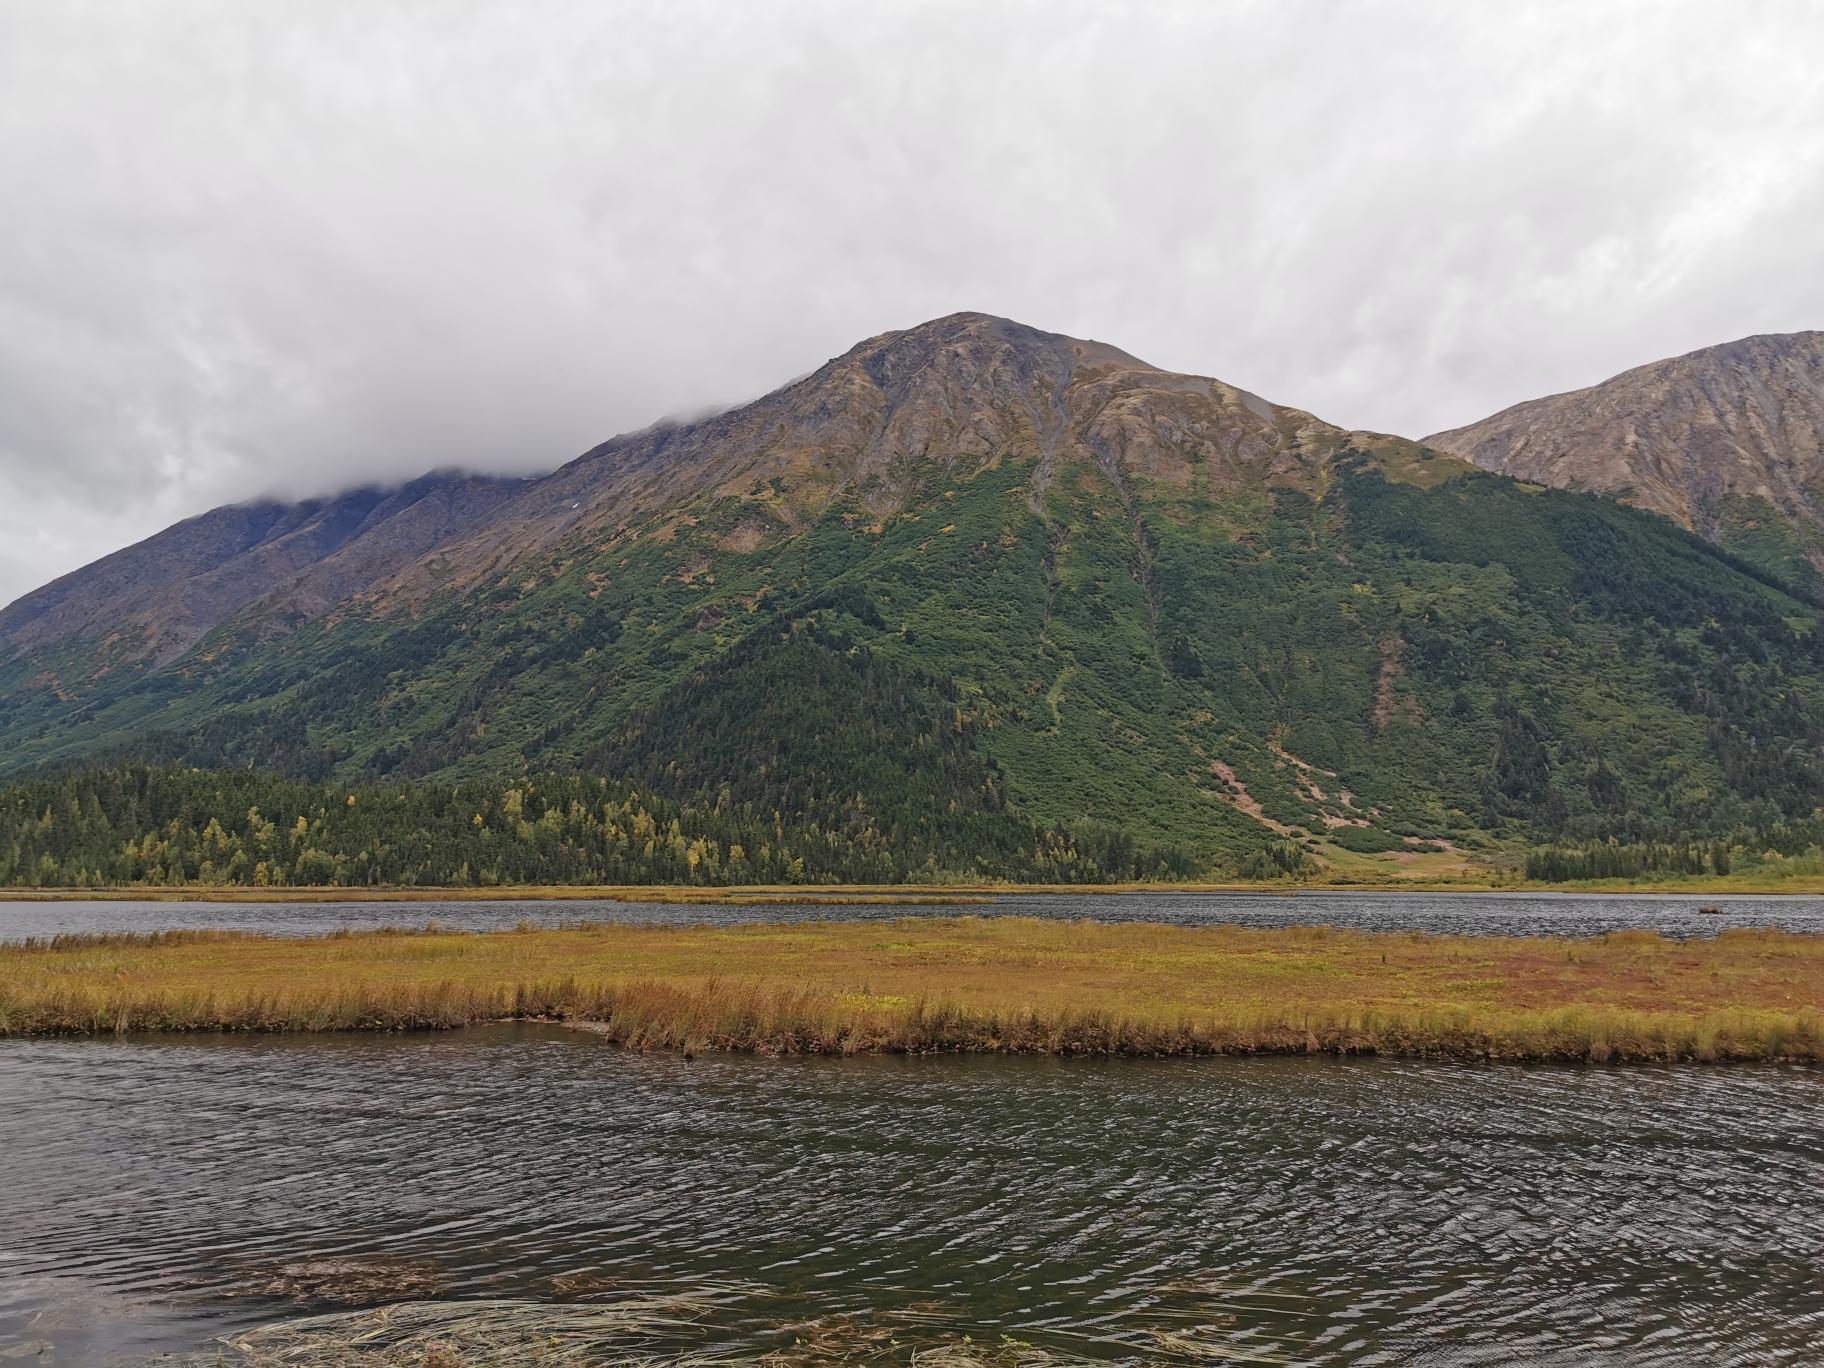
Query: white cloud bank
point(251, 248)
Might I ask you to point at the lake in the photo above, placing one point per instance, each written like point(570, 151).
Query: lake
point(527, 1194)
point(1490, 914)
point(565, 1201)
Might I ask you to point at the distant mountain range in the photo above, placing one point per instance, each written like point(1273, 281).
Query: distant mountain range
point(976, 568)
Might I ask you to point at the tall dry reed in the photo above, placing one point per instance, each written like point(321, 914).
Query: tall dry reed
point(960, 985)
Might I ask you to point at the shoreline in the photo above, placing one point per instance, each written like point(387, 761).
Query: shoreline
point(969, 984)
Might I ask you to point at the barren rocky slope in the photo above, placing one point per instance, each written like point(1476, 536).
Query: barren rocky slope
point(1727, 441)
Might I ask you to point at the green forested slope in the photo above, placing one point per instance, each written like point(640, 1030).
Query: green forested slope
point(1475, 655)
point(1176, 642)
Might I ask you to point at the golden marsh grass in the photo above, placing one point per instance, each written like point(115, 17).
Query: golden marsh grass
point(961, 983)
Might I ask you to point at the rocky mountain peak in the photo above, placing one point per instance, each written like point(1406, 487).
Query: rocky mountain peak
point(1727, 441)
point(959, 391)
point(969, 348)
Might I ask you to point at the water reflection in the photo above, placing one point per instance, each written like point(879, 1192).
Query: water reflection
point(1316, 1211)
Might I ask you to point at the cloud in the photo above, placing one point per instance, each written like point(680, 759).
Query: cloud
point(284, 249)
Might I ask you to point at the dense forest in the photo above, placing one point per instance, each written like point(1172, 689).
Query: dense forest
point(1789, 847)
point(169, 827)
point(135, 824)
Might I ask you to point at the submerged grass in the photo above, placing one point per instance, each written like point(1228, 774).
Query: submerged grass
point(631, 1333)
point(662, 1331)
point(962, 983)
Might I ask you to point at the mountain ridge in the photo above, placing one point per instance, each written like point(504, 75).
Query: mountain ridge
point(1727, 441)
point(1066, 592)
point(854, 422)
point(167, 592)
point(618, 479)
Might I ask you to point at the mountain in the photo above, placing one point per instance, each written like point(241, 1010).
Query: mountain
point(155, 600)
point(1727, 441)
point(972, 583)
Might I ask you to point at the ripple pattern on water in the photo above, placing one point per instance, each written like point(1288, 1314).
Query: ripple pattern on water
point(1312, 1210)
point(1483, 914)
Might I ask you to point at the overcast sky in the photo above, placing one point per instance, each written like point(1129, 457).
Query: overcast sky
point(252, 248)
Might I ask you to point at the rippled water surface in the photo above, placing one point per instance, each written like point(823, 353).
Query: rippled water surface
point(567, 1198)
point(1500, 914)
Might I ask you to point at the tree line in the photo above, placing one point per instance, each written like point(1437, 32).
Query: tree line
point(1565, 862)
point(142, 825)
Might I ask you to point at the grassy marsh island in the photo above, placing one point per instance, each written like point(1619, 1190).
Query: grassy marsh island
point(962, 983)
